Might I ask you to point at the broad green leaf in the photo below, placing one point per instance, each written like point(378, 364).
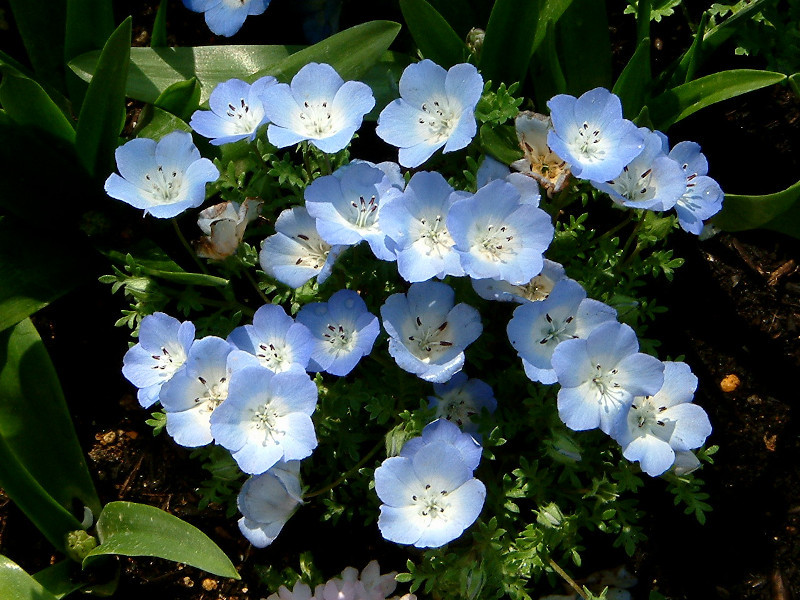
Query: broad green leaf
point(59, 579)
point(181, 98)
point(351, 52)
point(632, 84)
point(546, 69)
point(156, 263)
point(458, 14)
point(741, 212)
point(26, 102)
point(684, 100)
point(434, 37)
point(584, 46)
point(35, 421)
point(549, 14)
point(155, 123)
point(158, 38)
point(787, 222)
point(643, 10)
point(501, 142)
point(508, 45)
point(132, 529)
point(153, 70)
point(89, 25)
point(103, 110)
point(41, 25)
point(35, 269)
point(16, 584)
point(794, 81)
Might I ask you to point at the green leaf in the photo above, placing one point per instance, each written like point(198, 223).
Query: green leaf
point(181, 98)
point(155, 262)
point(351, 52)
point(741, 212)
point(155, 123)
point(16, 583)
point(794, 81)
point(684, 100)
point(693, 54)
point(434, 37)
point(501, 142)
point(158, 38)
point(584, 46)
point(26, 102)
point(42, 25)
point(103, 111)
point(643, 10)
point(632, 83)
point(508, 45)
point(384, 78)
point(89, 25)
point(132, 529)
point(35, 421)
point(153, 70)
point(59, 579)
point(35, 269)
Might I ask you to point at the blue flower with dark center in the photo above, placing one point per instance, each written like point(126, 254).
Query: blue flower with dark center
point(703, 197)
point(460, 399)
point(164, 178)
point(343, 329)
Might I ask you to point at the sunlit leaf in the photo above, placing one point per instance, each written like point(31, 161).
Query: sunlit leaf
point(434, 37)
point(16, 583)
point(741, 212)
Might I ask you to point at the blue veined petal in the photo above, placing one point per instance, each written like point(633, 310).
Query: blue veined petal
point(224, 19)
point(579, 407)
point(464, 85)
point(190, 427)
point(352, 101)
point(654, 455)
point(400, 524)
point(399, 125)
point(462, 133)
point(135, 159)
point(598, 106)
point(176, 150)
point(692, 426)
point(445, 431)
point(414, 156)
point(691, 159)
point(422, 81)
point(122, 189)
point(315, 82)
point(466, 504)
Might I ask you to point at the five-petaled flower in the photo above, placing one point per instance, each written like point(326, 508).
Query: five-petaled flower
point(436, 108)
point(164, 178)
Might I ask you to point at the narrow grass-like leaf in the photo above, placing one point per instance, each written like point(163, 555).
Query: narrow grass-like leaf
point(643, 10)
point(26, 102)
point(132, 529)
point(35, 421)
point(459, 14)
point(41, 25)
point(433, 35)
point(351, 52)
point(103, 110)
point(794, 81)
point(549, 14)
point(158, 38)
point(155, 123)
point(59, 579)
point(156, 263)
point(15, 583)
point(153, 70)
point(508, 45)
point(632, 83)
point(740, 212)
point(89, 24)
point(181, 98)
point(684, 100)
point(584, 46)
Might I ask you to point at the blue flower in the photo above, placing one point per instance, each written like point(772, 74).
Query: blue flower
point(659, 426)
point(318, 106)
point(267, 501)
point(601, 374)
point(226, 17)
point(591, 135)
point(347, 206)
point(537, 328)
point(430, 497)
point(416, 225)
point(436, 108)
point(266, 418)
point(499, 237)
point(427, 334)
point(442, 430)
point(651, 180)
point(195, 392)
point(163, 346)
point(461, 398)
point(343, 329)
point(702, 197)
point(164, 178)
point(296, 253)
point(275, 340)
point(237, 111)
point(538, 288)
point(527, 187)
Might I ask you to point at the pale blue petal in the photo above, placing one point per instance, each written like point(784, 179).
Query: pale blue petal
point(579, 407)
point(464, 85)
point(692, 426)
point(654, 455)
point(401, 525)
point(422, 81)
point(225, 20)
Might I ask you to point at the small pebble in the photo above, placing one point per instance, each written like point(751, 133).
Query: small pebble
point(209, 584)
point(729, 383)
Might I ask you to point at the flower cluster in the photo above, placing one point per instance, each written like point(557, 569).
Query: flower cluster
point(368, 585)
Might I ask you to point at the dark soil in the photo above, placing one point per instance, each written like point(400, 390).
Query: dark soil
point(734, 314)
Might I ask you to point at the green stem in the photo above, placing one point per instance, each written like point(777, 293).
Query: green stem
point(188, 247)
point(347, 474)
point(254, 283)
point(567, 578)
point(633, 235)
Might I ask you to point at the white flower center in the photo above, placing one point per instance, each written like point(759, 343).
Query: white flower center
point(429, 342)
point(214, 394)
point(635, 188)
point(169, 361)
point(342, 340)
point(607, 386)
point(243, 118)
point(275, 355)
point(431, 503)
point(558, 331)
point(645, 418)
point(538, 288)
point(436, 236)
point(364, 212)
point(317, 251)
point(457, 410)
point(440, 119)
point(266, 418)
point(164, 186)
point(236, 3)
point(587, 142)
point(494, 244)
point(316, 118)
